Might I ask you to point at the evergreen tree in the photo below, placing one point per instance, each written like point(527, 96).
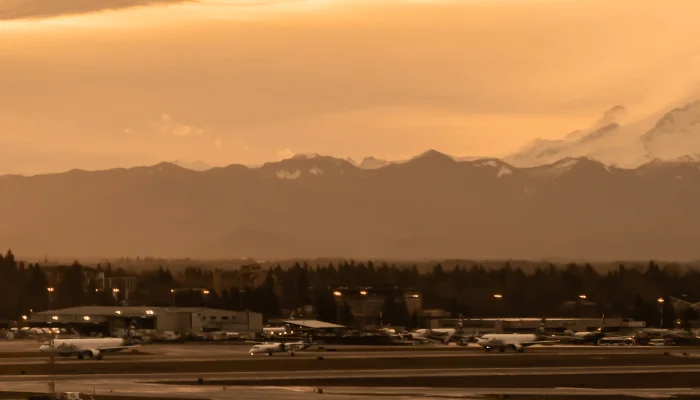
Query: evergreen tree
point(70, 291)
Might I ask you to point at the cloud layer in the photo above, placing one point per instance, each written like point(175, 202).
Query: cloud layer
point(39, 9)
point(469, 78)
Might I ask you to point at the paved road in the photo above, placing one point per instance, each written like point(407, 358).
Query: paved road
point(143, 386)
point(367, 373)
point(188, 353)
point(111, 359)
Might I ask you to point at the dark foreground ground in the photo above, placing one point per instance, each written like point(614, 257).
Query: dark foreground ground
point(269, 364)
point(653, 380)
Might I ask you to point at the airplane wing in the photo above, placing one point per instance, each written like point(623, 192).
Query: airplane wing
point(539, 342)
point(77, 350)
point(117, 348)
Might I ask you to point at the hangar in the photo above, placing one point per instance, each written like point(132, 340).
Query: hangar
point(529, 325)
point(187, 320)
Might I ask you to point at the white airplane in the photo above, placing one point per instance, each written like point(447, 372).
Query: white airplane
point(91, 347)
point(442, 335)
point(515, 341)
point(270, 348)
point(586, 336)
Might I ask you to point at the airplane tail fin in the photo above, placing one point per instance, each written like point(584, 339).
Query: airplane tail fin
point(130, 331)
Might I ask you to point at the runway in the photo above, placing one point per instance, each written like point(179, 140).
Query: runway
point(174, 369)
point(227, 384)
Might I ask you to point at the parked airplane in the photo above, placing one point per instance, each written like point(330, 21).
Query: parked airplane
point(616, 340)
point(585, 337)
point(516, 341)
point(290, 347)
point(441, 335)
point(91, 347)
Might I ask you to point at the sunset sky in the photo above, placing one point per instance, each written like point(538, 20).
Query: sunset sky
point(250, 81)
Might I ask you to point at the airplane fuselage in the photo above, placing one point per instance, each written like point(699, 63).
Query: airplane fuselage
point(516, 341)
point(91, 347)
point(270, 348)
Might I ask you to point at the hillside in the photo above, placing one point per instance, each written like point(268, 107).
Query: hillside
point(315, 206)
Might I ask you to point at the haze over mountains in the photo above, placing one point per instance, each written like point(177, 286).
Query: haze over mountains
point(432, 205)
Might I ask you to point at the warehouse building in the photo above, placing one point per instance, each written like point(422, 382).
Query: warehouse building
point(530, 325)
point(185, 320)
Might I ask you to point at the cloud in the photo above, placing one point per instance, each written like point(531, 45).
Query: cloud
point(167, 126)
point(285, 154)
point(40, 9)
point(218, 143)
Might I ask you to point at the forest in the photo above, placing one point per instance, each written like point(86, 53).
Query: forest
point(630, 291)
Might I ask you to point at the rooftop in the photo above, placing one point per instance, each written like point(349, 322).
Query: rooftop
point(125, 311)
point(312, 324)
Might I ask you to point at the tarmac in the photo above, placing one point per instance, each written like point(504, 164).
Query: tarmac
point(353, 372)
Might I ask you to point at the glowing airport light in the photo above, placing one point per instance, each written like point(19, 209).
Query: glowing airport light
point(24, 317)
point(337, 293)
point(205, 291)
point(50, 289)
point(149, 312)
point(582, 297)
point(115, 290)
point(363, 292)
point(497, 296)
point(55, 317)
point(660, 299)
point(118, 312)
point(86, 318)
point(416, 296)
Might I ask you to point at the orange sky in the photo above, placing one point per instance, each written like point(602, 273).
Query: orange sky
point(231, 81)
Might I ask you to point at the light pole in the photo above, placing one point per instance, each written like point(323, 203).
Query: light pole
point(661, 311)
point(364, 308)
point(205, 292)
point(50, 290)
point(337, 306)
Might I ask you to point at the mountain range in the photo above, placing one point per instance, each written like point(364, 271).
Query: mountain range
point(613, 139)
point(431, 206)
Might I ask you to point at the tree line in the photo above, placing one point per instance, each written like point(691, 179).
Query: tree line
point(631, 291)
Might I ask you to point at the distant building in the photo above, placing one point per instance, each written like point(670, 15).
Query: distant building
point(245, 276)
point(183, 319)
point(366, 304)
point(530, 325)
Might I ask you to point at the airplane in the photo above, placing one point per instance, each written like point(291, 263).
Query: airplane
point(616, 340)
point(585, 337)
point(280, 347)
point(91, 347)
point(516, 341)
point(441, 335)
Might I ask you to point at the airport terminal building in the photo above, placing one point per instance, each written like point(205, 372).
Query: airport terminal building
point(186, 320)
point(530, 325)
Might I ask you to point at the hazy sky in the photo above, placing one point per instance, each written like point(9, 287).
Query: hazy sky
point(249, 81)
